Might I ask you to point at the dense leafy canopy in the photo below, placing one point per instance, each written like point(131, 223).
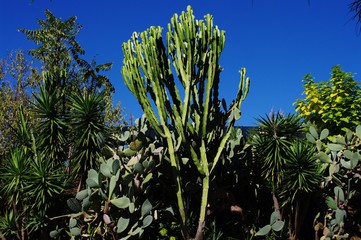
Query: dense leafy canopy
point(334, 104)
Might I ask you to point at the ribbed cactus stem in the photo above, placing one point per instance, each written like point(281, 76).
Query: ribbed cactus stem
point(190, 123)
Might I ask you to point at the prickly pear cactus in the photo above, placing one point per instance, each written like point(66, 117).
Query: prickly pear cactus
point(117, 202)
point(341, 156)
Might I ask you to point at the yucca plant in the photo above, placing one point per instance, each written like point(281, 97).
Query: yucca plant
point(13, 176)
point(271, 143)
point(51, 128)
point(303, 175)
point(89, 131)
point(8, 225)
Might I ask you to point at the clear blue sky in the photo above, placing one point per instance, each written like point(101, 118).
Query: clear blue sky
point(278, 41)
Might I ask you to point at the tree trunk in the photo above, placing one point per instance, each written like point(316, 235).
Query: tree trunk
point(276, 205)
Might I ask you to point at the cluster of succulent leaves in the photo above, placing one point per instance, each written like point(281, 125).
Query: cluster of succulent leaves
point(341, 158)
point(118, 202)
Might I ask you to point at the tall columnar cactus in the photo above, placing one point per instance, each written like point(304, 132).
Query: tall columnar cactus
point(190, 118)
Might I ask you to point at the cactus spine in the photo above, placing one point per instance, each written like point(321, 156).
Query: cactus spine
point(193, 114)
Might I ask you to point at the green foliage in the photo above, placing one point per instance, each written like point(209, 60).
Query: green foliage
point(8, 225)
point(288, 165)
point(303, 173)
point(57, 35)
point(275, 225)
point(341, 160)
point(271, 143)
point(117, 201)
point(333, 104)
point(89, 130)
point(51, 128)
point(18, 80)
point(194, 48)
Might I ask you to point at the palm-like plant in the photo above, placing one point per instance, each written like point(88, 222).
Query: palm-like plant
point(87, 124)
point(303, 175)
point(51, 128)
point(13, 176)
point(271, 144)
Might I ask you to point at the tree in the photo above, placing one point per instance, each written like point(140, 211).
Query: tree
point(355, 8)
point(65, 72)
point(194, 128)
point(18, 80)
point(334, 104)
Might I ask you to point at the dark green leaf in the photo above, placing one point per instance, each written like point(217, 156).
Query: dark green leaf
point(331, 203)
point(74, 204)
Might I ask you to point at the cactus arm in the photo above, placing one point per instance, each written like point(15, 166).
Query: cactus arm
point(135, 83)
point(241, 95)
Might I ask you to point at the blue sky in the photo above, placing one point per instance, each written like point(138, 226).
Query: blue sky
point(278, 41)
